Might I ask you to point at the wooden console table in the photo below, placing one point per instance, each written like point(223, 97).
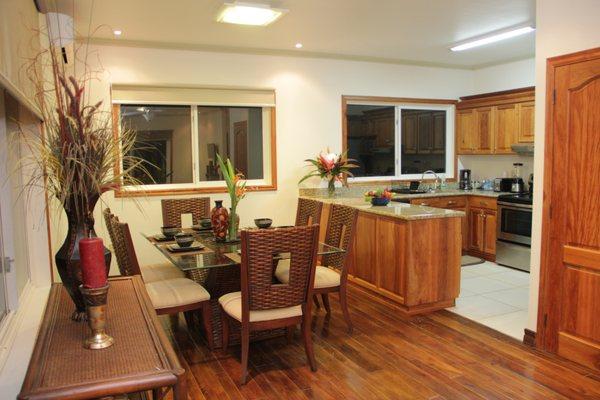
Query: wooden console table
point(141, 358)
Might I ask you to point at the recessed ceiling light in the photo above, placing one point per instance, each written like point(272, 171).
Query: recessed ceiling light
point(117, 32)
point(491, 38)
point(298, 45)
point(249, 14)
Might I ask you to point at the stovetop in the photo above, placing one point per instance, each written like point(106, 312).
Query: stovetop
point(519, 198)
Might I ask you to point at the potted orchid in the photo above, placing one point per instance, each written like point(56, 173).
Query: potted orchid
point(236, 187)
point(332, 167)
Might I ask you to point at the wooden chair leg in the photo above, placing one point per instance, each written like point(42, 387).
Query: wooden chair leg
point(225, 326)
point(290, 333)
point(344, 304)
point(316, 301)
point(189, 320)
point(207, 322)
point(325, 298)
point(308, 345)
point(245, 339)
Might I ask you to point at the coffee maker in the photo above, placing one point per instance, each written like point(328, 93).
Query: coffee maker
point(464, 182)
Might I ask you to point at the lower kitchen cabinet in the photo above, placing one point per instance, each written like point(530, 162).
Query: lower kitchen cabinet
point(482, 232)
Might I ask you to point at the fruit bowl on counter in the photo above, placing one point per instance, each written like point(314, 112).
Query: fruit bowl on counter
point(379, 197)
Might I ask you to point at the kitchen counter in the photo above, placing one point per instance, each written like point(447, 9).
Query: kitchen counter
point(451, 192)
point(402, 211)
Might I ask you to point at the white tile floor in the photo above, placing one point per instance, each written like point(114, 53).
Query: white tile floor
point(494, 296)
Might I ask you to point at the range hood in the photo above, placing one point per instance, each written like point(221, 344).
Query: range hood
point(525, 149)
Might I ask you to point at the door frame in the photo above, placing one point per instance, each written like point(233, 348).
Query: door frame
point(549, 307)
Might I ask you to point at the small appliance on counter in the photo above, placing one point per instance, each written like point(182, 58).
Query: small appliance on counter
point(465, 180)
point(502, 184)
point(518, 185)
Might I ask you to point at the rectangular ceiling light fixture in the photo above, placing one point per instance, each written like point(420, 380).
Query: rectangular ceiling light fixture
point(492, 38)
point(249, 14)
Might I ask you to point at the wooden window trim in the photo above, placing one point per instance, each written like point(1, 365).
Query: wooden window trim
point(120, 192)
point(394, 100)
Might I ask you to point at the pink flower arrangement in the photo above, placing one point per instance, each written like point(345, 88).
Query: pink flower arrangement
point(332, 167)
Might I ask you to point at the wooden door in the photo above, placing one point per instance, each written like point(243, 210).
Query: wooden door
point(409, 134)
point(526, 122)
point(569, 312)
point(476, 229)
point(240, 146)
point(506, 128)
point(465, 131)
point(489, 232)
point(439, 132)
point(484, 139)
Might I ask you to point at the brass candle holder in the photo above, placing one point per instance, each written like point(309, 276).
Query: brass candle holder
point(95, 306)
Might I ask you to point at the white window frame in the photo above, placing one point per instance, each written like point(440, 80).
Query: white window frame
point(266, 182)
point(398, 107)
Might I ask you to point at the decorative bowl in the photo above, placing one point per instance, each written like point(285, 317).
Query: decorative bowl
point(205, 223)
point(170, 231)
point(263, 223)
point(184, 239)
point(380, 201)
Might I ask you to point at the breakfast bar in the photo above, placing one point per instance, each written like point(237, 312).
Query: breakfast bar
point(408, 253)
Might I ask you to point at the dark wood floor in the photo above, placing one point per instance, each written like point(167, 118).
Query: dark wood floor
point(438, 356)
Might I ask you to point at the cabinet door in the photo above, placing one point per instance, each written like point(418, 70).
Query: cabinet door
point(476, 228)
point(364, 250)
point(506, 128)
point(464, 227)
point(465, 131)
point(484, 128)
point(526, 122)
point(489, 234)
point(425, 136)
point(439, 132)
point(409, 134)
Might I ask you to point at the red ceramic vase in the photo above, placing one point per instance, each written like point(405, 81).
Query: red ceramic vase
point(219, 218)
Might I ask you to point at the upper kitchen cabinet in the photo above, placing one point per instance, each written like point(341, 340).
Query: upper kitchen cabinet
point(491, 123)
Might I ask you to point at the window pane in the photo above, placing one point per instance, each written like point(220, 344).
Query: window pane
point(233, 132)
point(164, 139)
point(371, 139)
point(423, 141)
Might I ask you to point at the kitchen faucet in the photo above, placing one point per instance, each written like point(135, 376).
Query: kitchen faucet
point(438, 180)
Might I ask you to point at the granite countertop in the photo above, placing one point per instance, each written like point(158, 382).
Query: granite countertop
point(451, 192)
point(403, 211)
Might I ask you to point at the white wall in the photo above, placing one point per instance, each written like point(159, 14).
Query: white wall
point(308, 112)
point(562, 27)
point(512, 75)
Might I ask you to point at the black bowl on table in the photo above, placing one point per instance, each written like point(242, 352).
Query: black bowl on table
point(263, 223)
point(170, 231)
point(205, 223)
point(184, 239)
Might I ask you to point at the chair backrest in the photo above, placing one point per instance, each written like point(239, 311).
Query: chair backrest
point(108, 215)
point(173, 209)
point(123, 247)
point(308, 212)
point(258, 250)
point(341, 228)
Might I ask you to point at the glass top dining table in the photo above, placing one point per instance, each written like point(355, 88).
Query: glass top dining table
point(213, 254)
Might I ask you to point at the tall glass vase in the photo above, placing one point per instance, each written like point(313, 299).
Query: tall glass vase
point(234, 223)
point(331, 187)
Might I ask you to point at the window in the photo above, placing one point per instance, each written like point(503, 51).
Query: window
point(399, 138)
point(180, 131)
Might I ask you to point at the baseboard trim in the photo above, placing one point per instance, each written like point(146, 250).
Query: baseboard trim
point(529, 338)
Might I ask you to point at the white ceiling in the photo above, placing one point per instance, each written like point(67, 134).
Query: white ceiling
point(386, 30)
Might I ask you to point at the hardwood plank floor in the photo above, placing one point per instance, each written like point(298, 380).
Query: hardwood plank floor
point(389, 356)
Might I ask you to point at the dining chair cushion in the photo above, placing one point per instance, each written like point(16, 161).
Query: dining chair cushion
point(161, 272)
point(175, 292)
point(232, 305)
point(324, 277)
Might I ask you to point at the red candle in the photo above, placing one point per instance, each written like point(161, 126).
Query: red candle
point(93, 268)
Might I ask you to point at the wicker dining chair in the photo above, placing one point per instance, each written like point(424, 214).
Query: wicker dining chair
point(169, 296)
point(173, 209)
point(264, 305)
point(308, 212)
point(332, 275)
point(150, 272)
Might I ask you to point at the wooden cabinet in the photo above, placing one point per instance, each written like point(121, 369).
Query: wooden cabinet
point(507, 128)
point(526, 122)
point(439, 132)
point(425, 136)
point(492, 123)
point(482, 220)
point(409, 134)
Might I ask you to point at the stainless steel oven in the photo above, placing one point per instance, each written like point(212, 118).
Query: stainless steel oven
point(513, 243)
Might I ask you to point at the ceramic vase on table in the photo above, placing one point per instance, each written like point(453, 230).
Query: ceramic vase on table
point(219, 218)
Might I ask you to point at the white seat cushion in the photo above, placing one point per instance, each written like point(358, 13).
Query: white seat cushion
point(324, 277)
point(160, 272)
point(232, 305)
point(175, 292)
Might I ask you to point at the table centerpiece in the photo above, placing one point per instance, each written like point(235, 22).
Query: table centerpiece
point(332, 167)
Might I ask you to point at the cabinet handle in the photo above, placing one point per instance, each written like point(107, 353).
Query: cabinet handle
point(451, 203)
point(482, 203)
point(424, 204)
